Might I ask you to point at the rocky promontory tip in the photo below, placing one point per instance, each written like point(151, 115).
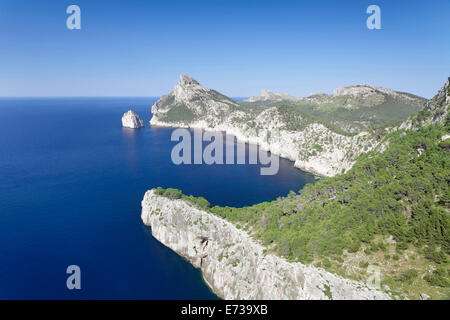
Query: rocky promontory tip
point(186, 79)
point(131, 120)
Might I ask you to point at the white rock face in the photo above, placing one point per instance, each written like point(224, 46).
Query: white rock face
point(198, 99)
point(131, 120)
point(424, 296)
point(235, 266)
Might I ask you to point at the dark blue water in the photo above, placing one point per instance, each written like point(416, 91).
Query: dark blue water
point(71, 183)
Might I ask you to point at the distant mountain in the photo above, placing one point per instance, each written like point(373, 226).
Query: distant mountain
point(368, 96)
point(350, 97)
point(353, 108)
point(267, 95)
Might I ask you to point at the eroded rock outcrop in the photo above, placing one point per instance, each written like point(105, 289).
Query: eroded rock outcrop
point(189, 100)
point(131, 120)
point(233, 264)
point(439, 104)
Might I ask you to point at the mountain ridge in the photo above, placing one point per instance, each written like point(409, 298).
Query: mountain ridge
point(365, 90)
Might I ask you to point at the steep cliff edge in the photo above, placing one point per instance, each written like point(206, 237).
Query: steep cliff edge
point(235, 266)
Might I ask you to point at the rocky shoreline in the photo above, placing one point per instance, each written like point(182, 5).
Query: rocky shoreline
point(328, 162)
point(234, 265)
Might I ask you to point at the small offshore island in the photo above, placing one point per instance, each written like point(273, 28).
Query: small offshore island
point(131, 120)
point(380, 217)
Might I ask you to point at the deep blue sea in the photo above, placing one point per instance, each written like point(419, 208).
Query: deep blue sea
point(71, 184)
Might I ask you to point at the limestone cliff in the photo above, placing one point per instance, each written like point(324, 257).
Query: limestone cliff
point(235, 266)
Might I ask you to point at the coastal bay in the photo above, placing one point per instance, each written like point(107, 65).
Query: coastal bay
point(70, 194)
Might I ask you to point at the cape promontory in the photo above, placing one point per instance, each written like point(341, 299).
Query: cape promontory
point(233, 264)
point(324, 134)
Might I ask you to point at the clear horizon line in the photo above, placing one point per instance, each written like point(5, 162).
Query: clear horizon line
point(69, 96)
point(15, 97)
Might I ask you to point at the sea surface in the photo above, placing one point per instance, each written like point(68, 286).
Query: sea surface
point(71, 184)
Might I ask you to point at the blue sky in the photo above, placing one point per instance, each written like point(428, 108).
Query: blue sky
point(139, 48)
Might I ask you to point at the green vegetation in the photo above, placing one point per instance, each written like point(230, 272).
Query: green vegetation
point(296, 120)
point(383, 194)
point(439, 278)
point(178, 113)
point(363, 114)
point(326, 291)
point(317, 147)
point(409, 275)
point(172, 193)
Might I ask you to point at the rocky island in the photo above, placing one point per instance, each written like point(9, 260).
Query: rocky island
point(131, 120)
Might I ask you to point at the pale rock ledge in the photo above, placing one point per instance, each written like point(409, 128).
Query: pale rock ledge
point(233, 264)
